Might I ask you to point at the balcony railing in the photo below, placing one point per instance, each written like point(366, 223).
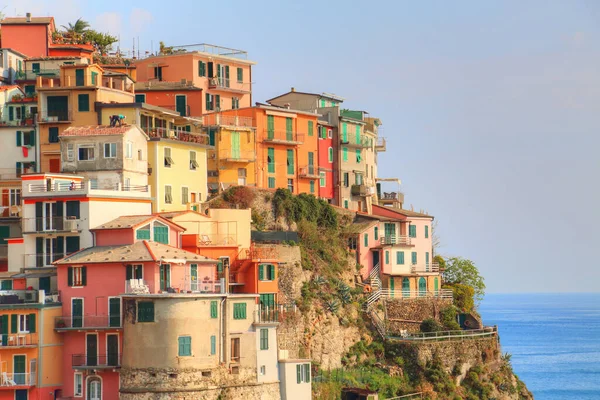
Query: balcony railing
point(100, 361)
point(216, 119)
point(55, 116)
point(18, 379)
point(19, 296)
point(39, 260)
point(360, 190)
point(177, 134)
point(309, 172)
point(217, 239)
point(87, 322)
point(86, 187)
point(18, 340)
point(46, 224)
point(276, 313)
point(283, 137)
point(392, 197)
point(139, 286)
point(417, 294)
point(363, 142)
point(380, 145)
point(228, 84)
point(392, 240)
point(237, 156)
point(32, 75)
point(425, 268)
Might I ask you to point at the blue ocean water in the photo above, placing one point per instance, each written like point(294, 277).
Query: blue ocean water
point(554, 340)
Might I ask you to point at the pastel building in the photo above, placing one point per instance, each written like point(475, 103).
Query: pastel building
point(223, 75)
point(327, 161)
point(186, 100)
point(11, 62)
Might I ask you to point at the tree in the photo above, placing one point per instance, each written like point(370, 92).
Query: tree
point(102, 42)
point(165, 49)
point(462, 271)
point(79, 27)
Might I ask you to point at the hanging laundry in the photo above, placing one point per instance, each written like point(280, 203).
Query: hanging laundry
point(25, 151)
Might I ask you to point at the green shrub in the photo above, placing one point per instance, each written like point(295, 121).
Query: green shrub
point(448, 316)
point(431, 325)
point(463, 297)
point(241, 196)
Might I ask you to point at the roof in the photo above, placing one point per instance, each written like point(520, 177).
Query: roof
point(406, 213)
point(8, 274)
point(130, 66)
point(360, 224)
point(164, 86)
point(173, 214)
point(9, 87)
point(283, 109)
point(23, 20)
point(54, 58)
point(133, 221)
point(142, 251)
point(323, 95)
point(97, 130)
point(15, 51)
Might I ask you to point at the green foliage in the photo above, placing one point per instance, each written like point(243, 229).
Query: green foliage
point(459, 270)
point(303, 207)
point(239, 196)
point(431, 325)
point(259, 220)
point(438, 377)
point(463, 297)
point(102, 42)
point(477, 386)
point(448, 316)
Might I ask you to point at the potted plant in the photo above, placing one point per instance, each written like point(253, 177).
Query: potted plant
point(28, 119)
point(61, 323)
point(17, 97)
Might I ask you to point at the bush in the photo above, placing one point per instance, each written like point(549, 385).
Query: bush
point(241, 196)
point(431, 325)
point(448, 316)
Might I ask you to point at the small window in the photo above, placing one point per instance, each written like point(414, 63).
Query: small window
point(76, 276)
point(235, 350)
point(400, 257)
point(266, 272)
point(110, 150)
point(168, 160)
point(213, 347)
point(330, 154)
point(240, 75)
point(412, 231)
point(78, 385)
point(366, 239)
point(414, 257)
point(145, 311)
point(302, 373)
point(239, 310)
point(185, 346)
point(426, 231)
point(23, 323)
point(86, 153)
point(322, 179)
point(214, 309)
point(271, 183)
point(129, 150)
point(168, 194)
point(329, 133)
point(291, 185)
point(263, 370)
point(345, 203)
point(53, 134)
point(264, 339)
point(184, 195)
point(140, 98)
point(193, 163)
point(70, 150)
point(83, 101)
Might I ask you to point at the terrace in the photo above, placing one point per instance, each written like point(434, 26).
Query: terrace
point(178, 134)
point(86, 188)
point(12, 297)
point(217, 119)
point(87, 322)
point(241, 156)
point(283, 137)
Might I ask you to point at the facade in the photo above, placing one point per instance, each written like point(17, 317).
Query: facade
point(107, 156)
point(224, 76)
point(327, 161)
point(186, 100)
point(28, 35)
point(295, 379)
point(29, 347)
point(11, 63)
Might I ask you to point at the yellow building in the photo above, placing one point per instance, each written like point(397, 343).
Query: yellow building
point(232, 162)
point(69, 101)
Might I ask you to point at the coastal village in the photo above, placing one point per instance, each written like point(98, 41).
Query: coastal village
point(146, 251)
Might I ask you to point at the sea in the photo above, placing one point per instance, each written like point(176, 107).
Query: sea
point(554, 340)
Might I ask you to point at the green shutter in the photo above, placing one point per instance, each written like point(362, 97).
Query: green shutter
point(213, 345)
point(83, 276)
point(83, 101)
point(13, 323)
point(272, 272)
point(11, 115)
point(79, 81)
point(185, 345)
point(344, 133)
point(214, 312)
point(270, 127)
point(357, 134)
point(414, 257)
point(70, 276)
point(19, 143)
point(239, 311)
point(344, 154)
point(400, 257)
point(366, 239)
point(261, 272)
point(312, 187)
point(307, 373)
point(207, 103)
point(376, 233)
point(358, 156)
point(271, 183)
point(129, 272)
point(290, 162)
point(32, 138)
point(310, 128)
point(298, 373)
point(426, 231)
point(387, 257)
point(271, 160)
point(32, 326)
point(240, 75)
point(289, 134)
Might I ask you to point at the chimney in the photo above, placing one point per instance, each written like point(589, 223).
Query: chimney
point(287, 105)
point(28, 15)
point(293, 89)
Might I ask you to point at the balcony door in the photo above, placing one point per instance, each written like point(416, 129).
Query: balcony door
point(390, 230)
point(19, 369)
point(77, 313)
point(112, 350)
point(94, 389)
point(91, 350)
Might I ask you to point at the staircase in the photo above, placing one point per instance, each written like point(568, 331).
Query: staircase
point(375, 283)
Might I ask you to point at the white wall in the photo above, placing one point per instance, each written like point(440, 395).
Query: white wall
point(267, 358)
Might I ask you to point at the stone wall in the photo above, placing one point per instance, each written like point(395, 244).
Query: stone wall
point(407, 314)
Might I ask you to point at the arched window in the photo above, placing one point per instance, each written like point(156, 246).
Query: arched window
point(94, 388)
point(422, 286)
point(405, 287)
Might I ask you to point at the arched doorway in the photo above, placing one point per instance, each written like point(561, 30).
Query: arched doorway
point(94, 388)
point(422, 286)
point(405, 287)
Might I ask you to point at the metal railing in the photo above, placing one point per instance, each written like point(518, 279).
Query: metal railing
point(38, 260)
point(18, 379)
point(55, 116)
point(216, 119)
point(309, 171)
point(362, 142)
point(78, 187)
point(87, 322)
point(177, 134)
point(45, 224)
point(395, 239)
point(32, 75)
point(448, 335)
point(237, 156)
point(425, 268)
point(283, 137)
point(395, 196)
point(18, 340)
point(83, 361)
point(276, 313)
point(19, 296)
point(380, 144)
point(400, 294)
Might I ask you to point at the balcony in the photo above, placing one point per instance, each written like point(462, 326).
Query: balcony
point(283, 137)
point(13, 381)
point(430, 268)
point(32, 75)
point(51, 224)
point(53, 117)
point(212, 239)
point(393, 240)
point(309, 172)
point(40, 260)
point(217, 119)
point(200, 286)
point(227, 84)
point(15, 340)
point(102, 361)
point(62, 188)
point(445, 294)
point(11, 297)
point(360, 190)
point(363, 142)
point(392, 199)
point(87, 322)
point(241, 156)
point(177, 134)
point(380, 145)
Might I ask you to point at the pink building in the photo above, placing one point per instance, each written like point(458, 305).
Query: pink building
point(91, 282)
point(326, 160)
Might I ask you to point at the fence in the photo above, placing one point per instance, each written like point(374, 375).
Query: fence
point(283, 137)
point(18, 339)
point(88, 322)
point(487, 331)
point(18, 379)
point(96, 361)
point(274, 236)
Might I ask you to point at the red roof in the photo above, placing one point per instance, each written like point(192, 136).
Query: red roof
point(8, 87)
point(99, 130)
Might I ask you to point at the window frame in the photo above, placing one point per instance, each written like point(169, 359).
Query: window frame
point(78, 393)
point(146, 304)
point(181, 342)
point(168, 194)
point(88, 147)
point(322, 179)
point(193, 161)
point(264, 339)
point(185, 195)
point(129, 150)
point(110, 148)
point(168, 160)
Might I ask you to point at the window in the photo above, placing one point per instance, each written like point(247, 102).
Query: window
point(110, 150)
point(263, 370)
point(94, 78)
point(129, 150)
point(290, 185)
point(400, 257)
point(83, 101)
point(271, 160)
point(235, 103)
point(329, 133)
point(25, 138)
point(240, 75)
point(414, 257)
point(344, 133)
point(376, 233)
point(358, 179)
point(5, 284)
point(266, 272)
point(168, 195)
point(352, 243)
point(271, 183)
point(78, 385)
point(344, 154)
point(201, 68)
point(184, 195)
point(168, 160)
point(158, 73)
point(214, 310)
point(235, 350)
point(70, 150)
point(303, 373)
point(345, 203)
point(140, 155)
point(358, 156)
point(412, 231)
point(346, 179)
point(53, 134)
point(23, 323)
point(264, 339)
point(330, 154)
point(76, 276)
point(213, 345)
point(239, 310)
point(140, 98)
point(145, 311)
point(426, 231)
point(143, 233)
point(86, 152)
point(310, 128)
point(366, 239)
point(185, 346)
point(35, 67)
point(322, 179)
point(290, 162)
point(312, 187)
point(134, 271)
point(193, 163)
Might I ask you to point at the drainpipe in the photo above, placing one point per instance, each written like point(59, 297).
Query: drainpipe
point(223, 328)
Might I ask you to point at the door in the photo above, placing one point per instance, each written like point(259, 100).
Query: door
point(77, 313)
point(392, 286)
point(375, 258)
point(94, 389)
point(235, 145)
point(91, 350)
point(19, 370)
point(405, 287)
point(389, 231)
point(422, 287)
point(45, 284)
point(194, 277)
point(21, 394)
point(181, 105)
point(165, 277)
point(114, 312)
point(112, 350)
point(4, 329)
point(54, 164)
point(242, 176)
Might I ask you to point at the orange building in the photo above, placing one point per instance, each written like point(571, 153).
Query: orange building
point(185, 99)
point(224, 75)
point(28, 35)
point(286, 147)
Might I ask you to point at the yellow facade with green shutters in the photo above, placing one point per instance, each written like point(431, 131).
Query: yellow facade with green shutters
point(178, 176)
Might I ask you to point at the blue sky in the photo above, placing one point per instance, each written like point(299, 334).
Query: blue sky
point(489, 108)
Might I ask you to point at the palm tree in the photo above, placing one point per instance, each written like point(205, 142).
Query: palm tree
point(80, 26)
